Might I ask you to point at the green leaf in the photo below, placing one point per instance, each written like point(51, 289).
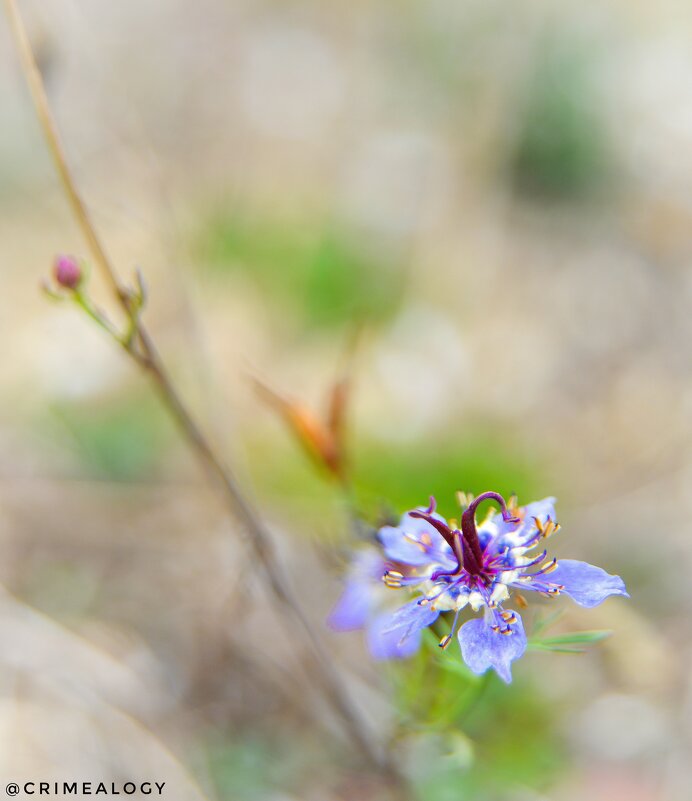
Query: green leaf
point(540, 646)
point(546, 622)
point(577, 638)
point(567, 643)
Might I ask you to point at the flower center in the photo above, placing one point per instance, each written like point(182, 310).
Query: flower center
point(465, 544)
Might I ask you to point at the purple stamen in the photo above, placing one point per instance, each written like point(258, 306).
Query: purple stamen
point(537, 560)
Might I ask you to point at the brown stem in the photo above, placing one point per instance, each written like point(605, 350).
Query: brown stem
point(52, 135)
point(261, 543)
point(145, 353)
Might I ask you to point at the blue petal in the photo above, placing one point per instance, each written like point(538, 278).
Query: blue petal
point(399, 545)
point(514, 534)
point(400, 549)
point(409, 619)
point(586, 584)
point(358, 599)
point(483, 648)
point(541, 509)
point(367, 564)
point(353, 609)
point(388, 644)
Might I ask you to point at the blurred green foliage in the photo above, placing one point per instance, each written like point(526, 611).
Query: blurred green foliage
point(255, 764)
point(244, 769)
point(490, 737)
point(405, 475)
point(320, 271)
point(391, 477)
point(120, 437)
point(561, 145)
point(517, 742)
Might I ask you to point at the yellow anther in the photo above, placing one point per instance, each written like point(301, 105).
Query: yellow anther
point(392, 579)
point(464, 499)
point(444, 642)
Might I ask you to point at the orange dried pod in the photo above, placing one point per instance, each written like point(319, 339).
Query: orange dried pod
point(319, 440)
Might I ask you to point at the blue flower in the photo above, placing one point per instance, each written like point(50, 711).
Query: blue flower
point(450, 568)
point(363, 606)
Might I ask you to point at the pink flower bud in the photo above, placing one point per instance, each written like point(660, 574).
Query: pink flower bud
point(67, 271)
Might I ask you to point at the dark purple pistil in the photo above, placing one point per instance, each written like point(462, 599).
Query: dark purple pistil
point(472, 544)
point(465, 543)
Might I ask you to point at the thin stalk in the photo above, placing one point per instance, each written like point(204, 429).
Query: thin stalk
point(144, 351)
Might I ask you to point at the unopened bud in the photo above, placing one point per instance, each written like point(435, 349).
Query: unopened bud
point(67, 271)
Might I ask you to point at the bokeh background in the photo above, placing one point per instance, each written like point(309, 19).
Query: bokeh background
point(499, 197)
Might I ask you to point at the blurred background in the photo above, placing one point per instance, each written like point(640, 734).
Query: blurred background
point(500, 199)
